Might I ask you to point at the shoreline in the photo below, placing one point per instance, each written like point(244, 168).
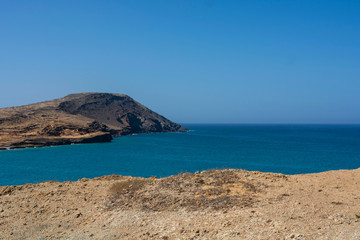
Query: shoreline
point(103, 137)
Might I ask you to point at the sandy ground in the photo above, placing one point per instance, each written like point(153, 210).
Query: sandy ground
point(216, 204)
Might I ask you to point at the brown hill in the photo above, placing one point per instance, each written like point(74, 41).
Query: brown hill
point(78, 118)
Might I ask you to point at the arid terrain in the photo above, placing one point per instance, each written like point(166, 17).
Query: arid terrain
point(78, 118)
point(214, 204)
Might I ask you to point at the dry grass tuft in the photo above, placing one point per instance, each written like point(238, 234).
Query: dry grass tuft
point(128, 186)
point(215, 189)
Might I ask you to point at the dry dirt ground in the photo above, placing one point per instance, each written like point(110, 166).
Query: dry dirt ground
point(214, 204)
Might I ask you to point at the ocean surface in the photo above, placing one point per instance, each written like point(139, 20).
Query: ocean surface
point(289, 149)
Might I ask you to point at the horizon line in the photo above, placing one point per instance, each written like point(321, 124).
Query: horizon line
point(237, 123)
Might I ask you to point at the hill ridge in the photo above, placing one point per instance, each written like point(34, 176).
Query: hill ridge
point(78, 118)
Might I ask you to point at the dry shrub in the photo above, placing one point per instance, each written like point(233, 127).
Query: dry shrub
point(215, 189)
point(128, 186)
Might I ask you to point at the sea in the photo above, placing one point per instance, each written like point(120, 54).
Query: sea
point(288, 149)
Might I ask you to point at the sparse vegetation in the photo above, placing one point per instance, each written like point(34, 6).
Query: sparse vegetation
point(128, 186)
point(214, 204)
point(216, 189)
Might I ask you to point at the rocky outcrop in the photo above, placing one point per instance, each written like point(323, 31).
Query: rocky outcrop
point(48, 141)
point(78, 118)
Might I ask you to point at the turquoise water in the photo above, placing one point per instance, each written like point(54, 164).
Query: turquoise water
point(288, 149)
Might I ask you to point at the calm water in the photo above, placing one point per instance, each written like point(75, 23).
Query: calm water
point(286, 149)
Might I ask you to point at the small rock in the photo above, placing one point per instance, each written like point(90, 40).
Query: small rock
point(78, 214)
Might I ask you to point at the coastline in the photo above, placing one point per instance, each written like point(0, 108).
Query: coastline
point(281, 149)
point(98, 137)
point(213, 204)
point(78, 118)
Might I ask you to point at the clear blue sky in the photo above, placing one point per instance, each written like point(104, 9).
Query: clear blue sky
point(192, 61)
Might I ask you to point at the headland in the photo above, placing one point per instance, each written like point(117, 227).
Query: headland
point(78, 118)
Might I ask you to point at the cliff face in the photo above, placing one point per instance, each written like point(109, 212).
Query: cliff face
point(78, 118)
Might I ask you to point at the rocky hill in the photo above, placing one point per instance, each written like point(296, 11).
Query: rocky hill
point(78, 118)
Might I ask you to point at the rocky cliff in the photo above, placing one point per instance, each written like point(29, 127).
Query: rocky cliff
point(78, 118)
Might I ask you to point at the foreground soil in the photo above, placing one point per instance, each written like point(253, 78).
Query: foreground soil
point(214, 204)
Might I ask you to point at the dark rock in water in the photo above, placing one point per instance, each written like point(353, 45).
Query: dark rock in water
point(78, 118)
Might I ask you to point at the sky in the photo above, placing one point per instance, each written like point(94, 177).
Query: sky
point(193, 61)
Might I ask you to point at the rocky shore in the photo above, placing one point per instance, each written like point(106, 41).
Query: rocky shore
point(78, 118)
point(214, 204)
